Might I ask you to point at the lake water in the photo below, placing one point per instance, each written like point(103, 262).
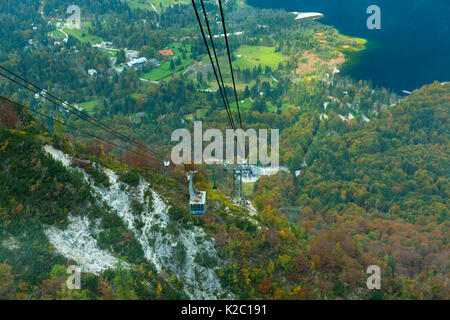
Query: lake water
point(411, 49)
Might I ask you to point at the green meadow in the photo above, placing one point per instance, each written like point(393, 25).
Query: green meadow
point(58, 35)
point(164, 70)
point(145, 4)
point(83, 36)
point(253, 56)
point(245, 105)
point(88, 105)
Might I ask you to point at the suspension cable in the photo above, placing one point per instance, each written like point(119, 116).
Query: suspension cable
point(67, 125)
point(215, 54)
point(229, 61)
point(230, 116)
point(79, 113)
point(82, 115)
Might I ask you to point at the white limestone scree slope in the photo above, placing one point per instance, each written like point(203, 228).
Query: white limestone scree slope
point(159, 245)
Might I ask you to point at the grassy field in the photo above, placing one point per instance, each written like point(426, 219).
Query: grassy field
point(139, 4)
point(253, 56)
point(58, 35)
point(109, 52)
point(145, 4)
point(89, 105)
point(83, 35)
point(159, 73)
point(166, 3)
point(246, 105)
point(250, 57)
point(164, 70)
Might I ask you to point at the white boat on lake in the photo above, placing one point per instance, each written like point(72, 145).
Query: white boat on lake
point(306, 15)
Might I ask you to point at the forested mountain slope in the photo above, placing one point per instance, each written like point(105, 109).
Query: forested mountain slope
point(366, 180)
point(128, 230)
point(376, 194)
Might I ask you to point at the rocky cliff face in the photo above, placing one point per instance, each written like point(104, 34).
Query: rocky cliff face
point(176, 252)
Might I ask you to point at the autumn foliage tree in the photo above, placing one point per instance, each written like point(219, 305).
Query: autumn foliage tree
point(8, 115)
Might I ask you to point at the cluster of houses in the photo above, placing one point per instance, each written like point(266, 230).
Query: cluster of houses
point(138, 63)
point(63, 107)
point(134, 61)
point(103, 44)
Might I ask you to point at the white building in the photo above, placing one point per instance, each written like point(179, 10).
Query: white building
point(137, 63)
point(106, 44)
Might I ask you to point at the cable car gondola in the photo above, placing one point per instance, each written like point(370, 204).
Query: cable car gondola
point(197, 201)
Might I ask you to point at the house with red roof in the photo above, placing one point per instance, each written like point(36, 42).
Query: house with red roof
point(167, 52)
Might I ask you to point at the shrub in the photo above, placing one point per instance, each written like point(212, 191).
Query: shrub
point(130, 177)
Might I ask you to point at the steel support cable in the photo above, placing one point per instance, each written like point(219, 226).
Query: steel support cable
point(230, 117)
point(104, 127)
point(68, 125)
point(78, 113)
point(212, 63)
point(216, 56)
point(229, 61)
point(231, 65)
point(95, 123)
